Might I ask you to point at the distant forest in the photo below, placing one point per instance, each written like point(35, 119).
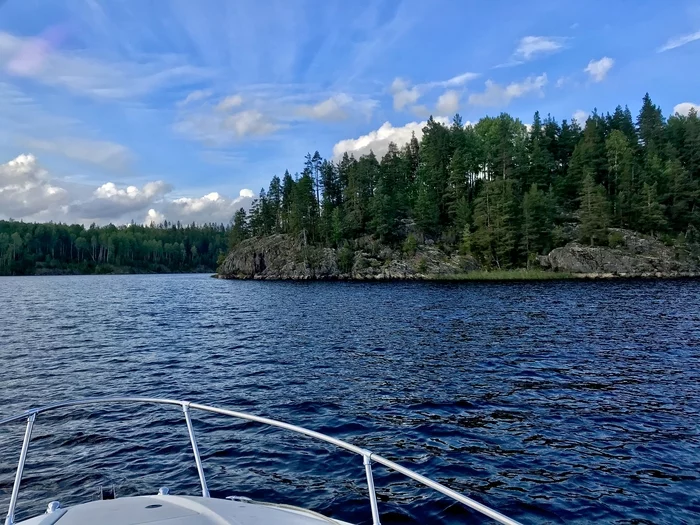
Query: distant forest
point(28, 248)
point(498, 190)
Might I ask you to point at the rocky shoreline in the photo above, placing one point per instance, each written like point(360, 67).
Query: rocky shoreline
point(282, 257)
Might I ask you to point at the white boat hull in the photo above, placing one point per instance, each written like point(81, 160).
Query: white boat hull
point(180, 510)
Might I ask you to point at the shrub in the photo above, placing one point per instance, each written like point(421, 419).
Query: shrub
point(410, 245)
point(346, 256)
point(616, 239)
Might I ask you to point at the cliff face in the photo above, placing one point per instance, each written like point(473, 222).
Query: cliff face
point(285, 257)
point(636, 256)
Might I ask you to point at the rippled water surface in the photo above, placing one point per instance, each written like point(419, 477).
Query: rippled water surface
point(568, 402)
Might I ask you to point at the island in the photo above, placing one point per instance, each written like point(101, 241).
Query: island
point(618, 197)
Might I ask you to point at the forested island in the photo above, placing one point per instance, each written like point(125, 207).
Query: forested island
point(495, 195)
point(49, 248)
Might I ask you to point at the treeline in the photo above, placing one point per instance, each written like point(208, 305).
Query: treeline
point(29, 248)
point(498, 190)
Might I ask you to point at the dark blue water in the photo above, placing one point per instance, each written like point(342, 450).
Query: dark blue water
point(569, 402)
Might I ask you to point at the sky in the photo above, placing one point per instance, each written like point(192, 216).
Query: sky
point(144, 110)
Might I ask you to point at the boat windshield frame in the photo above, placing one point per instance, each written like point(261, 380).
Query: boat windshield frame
point(368, 457)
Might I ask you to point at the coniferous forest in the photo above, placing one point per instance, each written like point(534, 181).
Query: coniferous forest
point(499, 190)
point(28, 248)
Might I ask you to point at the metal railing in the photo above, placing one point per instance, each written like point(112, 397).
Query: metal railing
point(367, 456)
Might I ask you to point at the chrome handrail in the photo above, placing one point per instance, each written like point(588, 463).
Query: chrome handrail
point(368, 456)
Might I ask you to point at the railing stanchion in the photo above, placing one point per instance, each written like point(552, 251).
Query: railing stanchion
point(195, 450)
point(370, 485)
point(10, 520)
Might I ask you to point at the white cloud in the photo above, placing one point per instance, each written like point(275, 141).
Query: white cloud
point(403, 95)
point(684, 108)
point(250, 123)
point(562, 81)
point(26, 189)
point(102, 153)
point(214, 128)
point(459, 80)
point(378, 140)
point(110, 202)
point(40, 60)
point(195, 96)
point(532, 46)
point(406, 95)
point(448, 102)
point(580, 116)
point(29, 192)
point(330, 109)
point(420, 111)
point(598, 69)
point(497, 95)
point(153, 217)
point(229, 103)
point(212, 207)
point(679, 41)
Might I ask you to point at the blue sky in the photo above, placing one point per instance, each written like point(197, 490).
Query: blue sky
point(112, 111)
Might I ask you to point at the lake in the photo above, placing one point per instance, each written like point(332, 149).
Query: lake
point(558, 402)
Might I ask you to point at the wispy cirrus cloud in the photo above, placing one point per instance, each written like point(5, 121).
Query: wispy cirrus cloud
point(41, 60)
point(105, 154)
point(679, 41)
point(532, 47)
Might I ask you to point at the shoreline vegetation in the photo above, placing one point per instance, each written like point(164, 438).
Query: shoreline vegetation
point(62, 249)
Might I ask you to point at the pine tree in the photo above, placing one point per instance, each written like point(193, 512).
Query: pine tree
point(594, 213)
point(651, 215)
point(239, 228)
point(536, 223)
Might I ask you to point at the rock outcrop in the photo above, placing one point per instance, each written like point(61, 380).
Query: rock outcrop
point(285, 257)
point(635, 256)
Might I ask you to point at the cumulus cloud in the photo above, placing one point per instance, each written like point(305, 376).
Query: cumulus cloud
point(229, 103)
point(532, 46)
point(498, 95)
point(404, 95)
point(30, 192)
point(102, 153)
point(378, 140)
point(153, 217)
point(26, 189)
point(212, 207)
point(448, 102)
point(679, 41)
point(112, 203)
point(598, 69)
point(684, 108)
point(580, 116)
